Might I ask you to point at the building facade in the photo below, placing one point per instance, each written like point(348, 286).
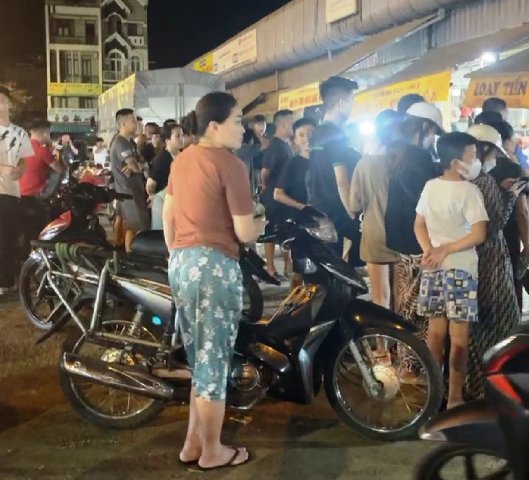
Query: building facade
point(90, 45)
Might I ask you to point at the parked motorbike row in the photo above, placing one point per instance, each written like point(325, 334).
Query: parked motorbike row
point(124, 362)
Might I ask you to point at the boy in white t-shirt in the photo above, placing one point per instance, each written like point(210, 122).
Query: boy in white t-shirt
point(451, 221)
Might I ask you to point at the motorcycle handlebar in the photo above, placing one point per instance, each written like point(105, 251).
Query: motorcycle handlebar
point(123, 196)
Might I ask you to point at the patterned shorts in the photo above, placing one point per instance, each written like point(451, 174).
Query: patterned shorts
point(207, 288)
point(452, 294)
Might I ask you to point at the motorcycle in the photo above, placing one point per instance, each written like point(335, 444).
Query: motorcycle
point(491, 436)
point(117, 374)
point(78, 222)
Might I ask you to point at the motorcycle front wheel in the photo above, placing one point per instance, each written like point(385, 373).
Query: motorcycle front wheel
point(403, 400)
point(99, 404)
point(462, 462)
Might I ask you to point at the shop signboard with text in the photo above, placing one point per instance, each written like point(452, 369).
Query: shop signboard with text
point(337, 9)
point(74, 89)
point(240, 51)
point(299, 98)
point(434, 88)
point(513, 88)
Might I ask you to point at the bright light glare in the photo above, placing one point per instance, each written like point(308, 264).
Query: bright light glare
point(488, 57)
point(367, 128)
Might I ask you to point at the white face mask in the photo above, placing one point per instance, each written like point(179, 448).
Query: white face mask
point(488, 165)
point(470, 172)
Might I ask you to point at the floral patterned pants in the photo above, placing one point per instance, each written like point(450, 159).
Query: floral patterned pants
point(207, 289)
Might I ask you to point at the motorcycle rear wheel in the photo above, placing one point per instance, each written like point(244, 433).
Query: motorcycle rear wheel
point(397, 413)
point(109, 412)
point(37, 310)
point(432, 466)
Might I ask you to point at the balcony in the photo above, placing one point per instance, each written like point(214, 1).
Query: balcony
point(67, 115)
point(137, 40)
point(110, 76)
point(71, 40)
point(80, 79)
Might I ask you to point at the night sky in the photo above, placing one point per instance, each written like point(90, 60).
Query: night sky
point(179, 30)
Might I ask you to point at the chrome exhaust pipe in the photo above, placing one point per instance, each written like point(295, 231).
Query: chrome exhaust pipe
point(122, 377)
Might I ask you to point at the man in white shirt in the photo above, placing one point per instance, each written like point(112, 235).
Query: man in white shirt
point(15, 147)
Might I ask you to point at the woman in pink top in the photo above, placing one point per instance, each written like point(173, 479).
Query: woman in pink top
point(208, 210)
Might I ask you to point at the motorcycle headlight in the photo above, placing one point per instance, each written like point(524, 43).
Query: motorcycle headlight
point(324, 231)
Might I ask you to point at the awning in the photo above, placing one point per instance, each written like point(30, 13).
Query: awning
point(441, 60)
point(268, 107)
point(297, 80)
point(58, 127)
point(507, 79)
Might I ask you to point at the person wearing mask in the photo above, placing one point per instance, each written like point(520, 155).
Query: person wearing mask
point(275, 157)
point(495, 105)
point(332, 161)
point(203, 237)
point(498, 307)
point(173, 136)
point(100, 153)
point(15, 149)
point(128, 177)
point(369, 196)
point(451, 222)
point(410, 167)
point(407, 101)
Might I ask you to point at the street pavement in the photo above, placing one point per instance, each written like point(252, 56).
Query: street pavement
point(42, 438)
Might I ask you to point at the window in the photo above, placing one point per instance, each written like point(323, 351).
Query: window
point(115, 24)
point(116, 61)
point(90, 103)
point(59, 102)
point(63, 27)
point(53, 66)
point(86, 68)
point(90, 33)
point(132, 29)
point(135, 64)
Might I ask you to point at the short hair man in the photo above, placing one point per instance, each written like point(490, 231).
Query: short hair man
point(39, 166)
point(275, 157)
point(498, 105)
point(100, 152)
point(332, 160)
point(407, 101)
point(128, 177)
point(15, 149)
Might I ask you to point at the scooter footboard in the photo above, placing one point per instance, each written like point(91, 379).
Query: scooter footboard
point(474, 423)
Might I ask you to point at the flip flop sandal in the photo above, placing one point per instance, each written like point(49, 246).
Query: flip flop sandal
point(189, 463)
point(228, 464)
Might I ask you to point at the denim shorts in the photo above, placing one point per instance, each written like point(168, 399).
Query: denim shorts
point(452, 294)
point(207, 289)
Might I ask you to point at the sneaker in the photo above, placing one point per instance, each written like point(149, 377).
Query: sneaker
point(280, 278)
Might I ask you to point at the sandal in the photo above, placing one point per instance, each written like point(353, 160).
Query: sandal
point(230, 463)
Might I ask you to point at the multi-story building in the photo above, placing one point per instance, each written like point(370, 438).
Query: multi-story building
point(124, 25)
point(90, 44)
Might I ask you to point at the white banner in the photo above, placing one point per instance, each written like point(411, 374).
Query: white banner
point(238, 52)
point(338, 9)
point(71, 114)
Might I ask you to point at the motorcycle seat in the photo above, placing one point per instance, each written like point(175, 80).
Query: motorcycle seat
point(150, 243)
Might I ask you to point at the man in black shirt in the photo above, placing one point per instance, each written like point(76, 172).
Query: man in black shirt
point(332, 160)
point(275, 158)
point(291, 189)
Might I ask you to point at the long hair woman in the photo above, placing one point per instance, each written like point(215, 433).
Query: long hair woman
point(208, 210)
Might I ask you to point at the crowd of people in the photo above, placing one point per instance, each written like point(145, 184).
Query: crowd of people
point(440, 221)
